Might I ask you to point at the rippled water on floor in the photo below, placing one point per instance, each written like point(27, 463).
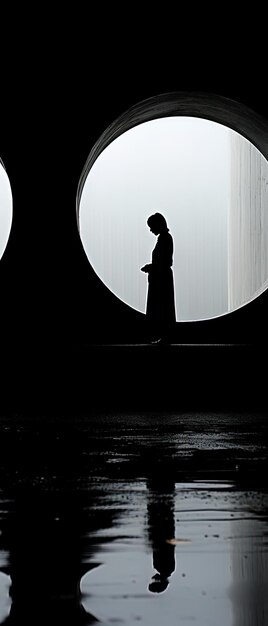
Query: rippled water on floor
point(130, 519)
point(193, 552)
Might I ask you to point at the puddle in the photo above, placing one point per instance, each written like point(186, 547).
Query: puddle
point(208, 572)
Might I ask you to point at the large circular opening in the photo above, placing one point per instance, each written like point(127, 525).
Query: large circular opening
point(201, 162)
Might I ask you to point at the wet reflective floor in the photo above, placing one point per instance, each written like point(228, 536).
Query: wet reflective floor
point(146, 518)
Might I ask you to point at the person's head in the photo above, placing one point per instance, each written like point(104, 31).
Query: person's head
point(157, 223)
point(158, 584)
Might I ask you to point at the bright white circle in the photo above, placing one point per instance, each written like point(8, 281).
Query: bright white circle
point(183, 168)
point(6, 207)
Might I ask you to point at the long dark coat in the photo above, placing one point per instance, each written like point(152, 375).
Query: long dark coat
point(160, 309)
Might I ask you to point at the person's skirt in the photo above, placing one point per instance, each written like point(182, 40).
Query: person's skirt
point(160, 309)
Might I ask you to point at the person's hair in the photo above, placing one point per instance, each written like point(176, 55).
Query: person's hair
point(158, 586)
point(158, 220)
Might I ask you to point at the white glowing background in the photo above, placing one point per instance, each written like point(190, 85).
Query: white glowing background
point(181, 167)
point(5, 209)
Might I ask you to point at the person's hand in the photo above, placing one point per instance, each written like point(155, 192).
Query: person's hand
point(146, 268)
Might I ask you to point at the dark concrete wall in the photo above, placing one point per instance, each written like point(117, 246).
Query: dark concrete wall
point(56, 101)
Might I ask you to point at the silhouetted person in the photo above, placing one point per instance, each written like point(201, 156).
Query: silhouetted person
point(160, 308)
point(161, 525)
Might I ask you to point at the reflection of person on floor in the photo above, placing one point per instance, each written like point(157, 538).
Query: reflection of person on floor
point(160, 308)
point(161, 526)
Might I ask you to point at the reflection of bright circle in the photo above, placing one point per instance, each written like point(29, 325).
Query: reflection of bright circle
point(5, 209)
point(117, 591)
point(5, 600)
point(187, 168)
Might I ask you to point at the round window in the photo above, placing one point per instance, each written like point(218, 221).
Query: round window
point(199, 161)
point(5, 209)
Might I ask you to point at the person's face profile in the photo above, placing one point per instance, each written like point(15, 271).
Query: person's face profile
point(153, 229)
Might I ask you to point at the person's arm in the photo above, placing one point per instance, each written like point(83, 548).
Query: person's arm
point(146, 268)
point(163, 253)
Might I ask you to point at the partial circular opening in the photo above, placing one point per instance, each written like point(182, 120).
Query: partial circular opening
point(6, 207)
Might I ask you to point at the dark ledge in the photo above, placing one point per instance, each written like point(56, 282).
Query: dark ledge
point(176, 377)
